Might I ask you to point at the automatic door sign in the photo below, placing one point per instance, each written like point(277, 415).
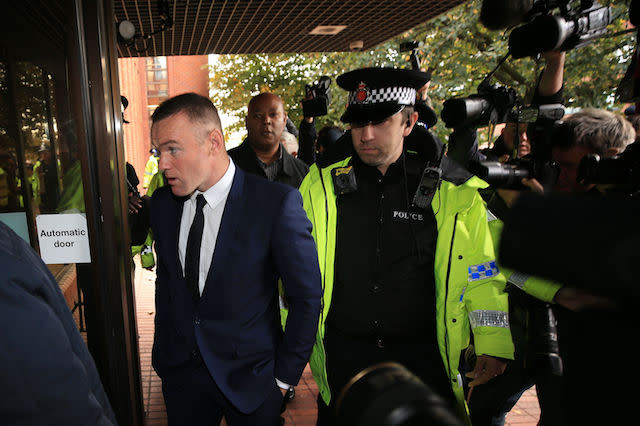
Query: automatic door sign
point(63, 238)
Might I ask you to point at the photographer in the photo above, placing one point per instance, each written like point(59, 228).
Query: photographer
point(463, 142)
point(582, 317)
point(490, 404)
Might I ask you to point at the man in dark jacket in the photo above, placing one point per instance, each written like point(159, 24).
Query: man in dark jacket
point(261, 153)
point(47, 376)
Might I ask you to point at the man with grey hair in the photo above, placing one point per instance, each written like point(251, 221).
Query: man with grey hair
point(594, 131)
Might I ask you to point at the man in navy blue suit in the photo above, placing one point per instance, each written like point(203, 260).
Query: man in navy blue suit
point(223, 239)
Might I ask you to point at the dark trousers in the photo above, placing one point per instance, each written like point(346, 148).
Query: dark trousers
point(193, 398)
point(347, 356)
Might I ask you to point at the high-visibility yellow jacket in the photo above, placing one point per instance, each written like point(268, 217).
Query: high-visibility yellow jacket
point(469, 289)
point(150, 170)
point(72, 197)
point(146, 250)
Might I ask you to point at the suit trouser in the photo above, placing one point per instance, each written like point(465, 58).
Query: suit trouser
point(192, 398)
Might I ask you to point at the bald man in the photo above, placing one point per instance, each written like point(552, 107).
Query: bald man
point(262, 153)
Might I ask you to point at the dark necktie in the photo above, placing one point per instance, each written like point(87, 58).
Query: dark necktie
point(192, 258)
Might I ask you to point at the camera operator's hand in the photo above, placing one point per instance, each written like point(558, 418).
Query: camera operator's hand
point(306, 98)
point(487, 367)
point(533, 185)
point(578, 300)
point(421, 94)
point(551, 80)
point(511, 195)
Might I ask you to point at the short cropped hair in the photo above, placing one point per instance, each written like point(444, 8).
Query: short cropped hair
point(600, 130)
point(407, 111)
point(261, 95)
point(198, 108)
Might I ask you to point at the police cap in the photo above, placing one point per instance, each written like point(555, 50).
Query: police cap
point(378, 93)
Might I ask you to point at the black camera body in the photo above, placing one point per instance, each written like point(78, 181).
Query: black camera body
point(572, 28)
point(545, 131)
point(320, 94)
point(492, 104)
point(621, 171)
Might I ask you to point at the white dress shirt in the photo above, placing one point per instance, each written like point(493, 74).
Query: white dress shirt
point(216, 197)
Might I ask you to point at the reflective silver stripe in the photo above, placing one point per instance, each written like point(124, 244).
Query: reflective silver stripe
point(490, 216)
point(518, 279)
point(488, 319)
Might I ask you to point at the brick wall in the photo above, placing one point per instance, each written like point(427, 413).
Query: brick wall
point(188, 74)
point(136, 134)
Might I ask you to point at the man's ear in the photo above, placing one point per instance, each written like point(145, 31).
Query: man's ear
point(216, 140)
point(613, 151)
point(411, 121)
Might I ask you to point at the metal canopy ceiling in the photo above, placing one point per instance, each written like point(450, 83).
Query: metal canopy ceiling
point(264, 26)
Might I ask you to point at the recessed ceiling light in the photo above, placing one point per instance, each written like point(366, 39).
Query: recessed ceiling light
point(327, 29)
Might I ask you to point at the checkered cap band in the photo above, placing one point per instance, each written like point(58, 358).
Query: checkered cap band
point(488, 319)
point(401, 95)
point(483, 271)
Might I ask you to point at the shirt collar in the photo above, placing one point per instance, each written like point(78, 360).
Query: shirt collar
point(220, 190)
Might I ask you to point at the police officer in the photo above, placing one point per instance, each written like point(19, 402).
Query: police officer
point(401, 282)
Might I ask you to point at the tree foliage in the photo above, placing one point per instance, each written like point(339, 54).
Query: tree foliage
point(458, 48)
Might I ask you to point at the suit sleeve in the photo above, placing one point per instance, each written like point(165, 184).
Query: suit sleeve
point(296, 259)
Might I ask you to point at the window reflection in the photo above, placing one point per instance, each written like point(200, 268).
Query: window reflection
point(32, 102)
point(11, 199)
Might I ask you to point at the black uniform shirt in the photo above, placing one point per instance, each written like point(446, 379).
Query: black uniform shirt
point(384, 280)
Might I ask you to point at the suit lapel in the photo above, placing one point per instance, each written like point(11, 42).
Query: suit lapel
point(224, 242)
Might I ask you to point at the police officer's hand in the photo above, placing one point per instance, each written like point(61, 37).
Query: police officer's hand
point(487, 367)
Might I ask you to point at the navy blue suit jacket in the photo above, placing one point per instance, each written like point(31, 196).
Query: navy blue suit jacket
point(235, 326)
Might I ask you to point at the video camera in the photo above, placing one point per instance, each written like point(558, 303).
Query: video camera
point(320, 94)
point(492, 104)
point(387, 394)
point(545, 131)
point(572, 28)
point(622, 171)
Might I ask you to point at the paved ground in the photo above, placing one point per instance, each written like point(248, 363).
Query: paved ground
point(301, 412)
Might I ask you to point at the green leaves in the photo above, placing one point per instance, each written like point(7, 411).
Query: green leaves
point(460, 50)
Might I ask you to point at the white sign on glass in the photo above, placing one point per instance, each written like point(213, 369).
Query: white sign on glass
point(63, 238)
